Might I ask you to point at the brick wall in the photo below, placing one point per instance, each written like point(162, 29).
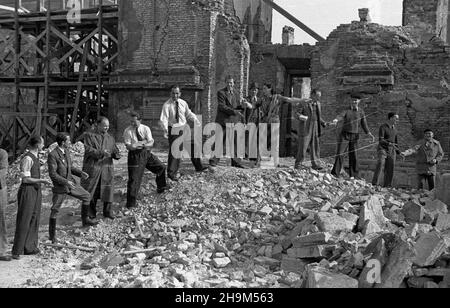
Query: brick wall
point(429, 18)
point(419, 93)
point(195, 44)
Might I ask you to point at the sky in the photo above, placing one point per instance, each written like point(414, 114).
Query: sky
point(323, 16)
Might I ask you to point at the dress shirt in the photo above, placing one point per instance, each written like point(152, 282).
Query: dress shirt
point(26, 164)
point(168, 114)
point(130, 138)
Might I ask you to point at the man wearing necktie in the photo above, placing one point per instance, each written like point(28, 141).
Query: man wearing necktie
point(387, 150)
point(175, 113)
point(429, 154)
point(139, 141)
point(351, 120)
point(229, 110)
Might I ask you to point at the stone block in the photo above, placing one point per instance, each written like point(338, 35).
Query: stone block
point(294, 265)
point(443, 222)
point(429, 247)
point(321, 278)
point(329, 222)
point(414, 212)
point(312, 240)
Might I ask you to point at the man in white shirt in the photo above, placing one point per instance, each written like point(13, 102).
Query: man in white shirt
point(139, 141)
point(175, 113)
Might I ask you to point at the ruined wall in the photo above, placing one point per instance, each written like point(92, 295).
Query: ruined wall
point(195, 44)
point(256, 15)
point(428, 18)
point(393, 73)
point(266, 67)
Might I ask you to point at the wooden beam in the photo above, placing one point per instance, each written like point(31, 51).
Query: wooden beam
point(100, 57)
point(297, 22)
point(15, 105)
point(79, 92)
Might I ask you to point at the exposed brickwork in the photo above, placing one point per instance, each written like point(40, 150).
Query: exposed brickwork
point(429, 18)
point(419, 92)
point(193, 43)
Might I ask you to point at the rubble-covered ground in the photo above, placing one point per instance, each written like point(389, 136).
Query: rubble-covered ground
point(237, 228)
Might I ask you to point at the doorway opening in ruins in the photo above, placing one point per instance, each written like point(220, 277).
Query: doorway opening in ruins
point(297, 84)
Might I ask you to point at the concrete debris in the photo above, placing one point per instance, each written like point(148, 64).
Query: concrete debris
point(259, 228)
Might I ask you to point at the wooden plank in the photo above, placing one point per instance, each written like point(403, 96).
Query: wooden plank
point(100, 58)
point(297, 22)
point(76, 47)
point(15, 105)
point(79, 92)
point(62, 18)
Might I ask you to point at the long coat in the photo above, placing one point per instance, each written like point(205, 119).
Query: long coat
point(61, 170)
point(306, 109)
point(98, 165)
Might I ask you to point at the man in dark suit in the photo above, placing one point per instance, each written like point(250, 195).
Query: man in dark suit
point(352, 120)
point(229, 110)
point(60, 170)
point(311, 123)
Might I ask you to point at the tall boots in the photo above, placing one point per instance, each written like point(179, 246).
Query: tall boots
point(108, 211)
point(52, 230)
point(86, 220)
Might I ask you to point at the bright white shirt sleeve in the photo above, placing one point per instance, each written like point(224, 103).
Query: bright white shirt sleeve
point(165, 116)
point(190, 115)
point(127, 137)
point(148, 134)
point(25, 167)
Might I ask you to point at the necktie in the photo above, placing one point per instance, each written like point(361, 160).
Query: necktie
point(177, 112)
point(139, 137)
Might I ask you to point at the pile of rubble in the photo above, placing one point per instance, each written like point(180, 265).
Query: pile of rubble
point(262, 228)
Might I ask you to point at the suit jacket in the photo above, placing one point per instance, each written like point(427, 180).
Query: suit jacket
point(306, 109)
point(60, 170)
point(228, 108)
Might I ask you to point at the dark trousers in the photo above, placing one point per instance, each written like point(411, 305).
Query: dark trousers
point(138, 161)
point(429, 179)
point(92, 213)
point(386, 161)
point(3, 239)
point(352, 140)
point(26, 238)
point(173, 164)
point(58, 198)
point(235, 161)
point(312, 141)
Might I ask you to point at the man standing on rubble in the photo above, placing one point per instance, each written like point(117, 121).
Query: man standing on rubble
point(61, 170)
point(3, 204)
point(311, 123)
point(100, 150)
point(29, 199)
point(175, 113)
point(387, 150)
point(351, 120)
point(139, 141)
point(229, 110)
point(429, 154)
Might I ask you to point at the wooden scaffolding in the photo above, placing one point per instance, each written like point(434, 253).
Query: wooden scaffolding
point(56, 71)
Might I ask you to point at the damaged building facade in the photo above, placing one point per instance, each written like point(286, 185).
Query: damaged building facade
point(198, 43)
point(195, 44)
